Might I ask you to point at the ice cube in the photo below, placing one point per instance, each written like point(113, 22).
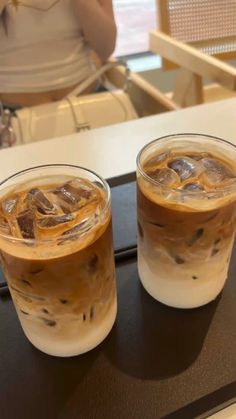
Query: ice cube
point(155, 161)
point(83, 189)
point(25, 222)
point(214, 164)
point(92, 313)
point(186, 167)
point(76, 231)
point(40, 200)
point(53, 221)
point(214, 251)
point(216, 172)
point(4, 227)
point(167, 177)
point(140, 230)
point(82, 227)
point(93, 264)
point(197, 234)
point(75, 194)
point(179, 259)
point(193, 187)
point(67, 193)
point(49, 322)
point(198, 156)
point(9, 206)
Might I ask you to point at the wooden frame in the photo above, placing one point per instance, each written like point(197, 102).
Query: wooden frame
point(195, 65)
point(164, 26)
point(163, 19)
point(163, 13)
point(146, 99)
point(224, 55)
point(192, 59)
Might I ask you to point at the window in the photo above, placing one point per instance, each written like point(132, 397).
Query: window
point(135, 18)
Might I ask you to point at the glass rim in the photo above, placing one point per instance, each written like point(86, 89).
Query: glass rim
point(230, 188)
point(71, 235)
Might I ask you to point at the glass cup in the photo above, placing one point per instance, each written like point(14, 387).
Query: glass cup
point(57, 255)
point(186, 193)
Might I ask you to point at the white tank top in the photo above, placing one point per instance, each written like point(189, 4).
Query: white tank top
point(44, 49)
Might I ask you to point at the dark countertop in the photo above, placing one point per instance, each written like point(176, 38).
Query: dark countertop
point(156, 361)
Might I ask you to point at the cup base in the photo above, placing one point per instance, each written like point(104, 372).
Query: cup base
point(177, 293)
point(80, 344)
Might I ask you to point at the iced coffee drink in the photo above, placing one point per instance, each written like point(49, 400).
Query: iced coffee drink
point(57, 255)
point(186, 218)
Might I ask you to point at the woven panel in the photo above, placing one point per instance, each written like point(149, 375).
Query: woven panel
point(215, 49)
point(198, 20)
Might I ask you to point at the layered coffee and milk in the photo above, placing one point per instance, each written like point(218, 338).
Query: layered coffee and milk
point(57, 256)
point(186, 225)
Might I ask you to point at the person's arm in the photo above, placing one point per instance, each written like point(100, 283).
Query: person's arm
point(97, 22)
point(3, 15)
point(3, 3)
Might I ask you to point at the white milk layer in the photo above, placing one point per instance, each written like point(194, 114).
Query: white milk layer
point(70, 337)
point(184, 286)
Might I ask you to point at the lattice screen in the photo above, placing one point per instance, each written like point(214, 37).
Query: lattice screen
point(214, 49)
point(199, 20)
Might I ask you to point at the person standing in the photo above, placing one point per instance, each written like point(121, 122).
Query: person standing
point(47, 47)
